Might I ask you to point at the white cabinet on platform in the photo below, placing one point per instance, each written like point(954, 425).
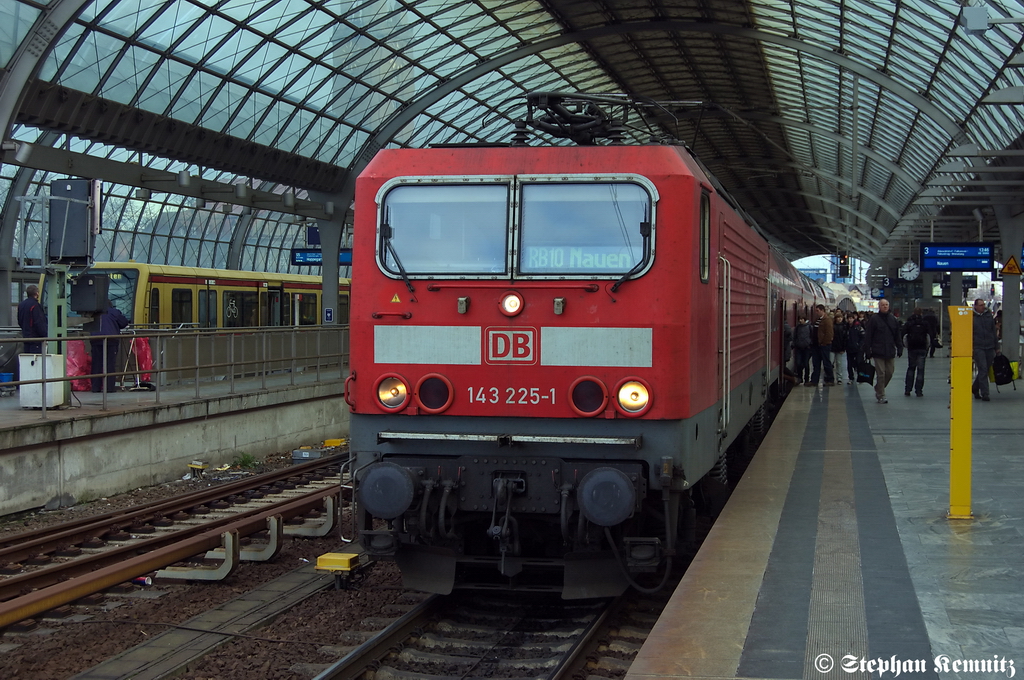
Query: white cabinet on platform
point(32, 369)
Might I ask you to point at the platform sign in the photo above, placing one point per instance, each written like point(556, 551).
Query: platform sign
point(1011, 268)
point(957, 257)
point(314, 257)
point(328, 315)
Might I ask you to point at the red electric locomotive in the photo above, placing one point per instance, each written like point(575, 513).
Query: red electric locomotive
point(550, 347)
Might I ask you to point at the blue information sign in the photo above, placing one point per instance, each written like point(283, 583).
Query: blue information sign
point(957, 257)
point(314, 257)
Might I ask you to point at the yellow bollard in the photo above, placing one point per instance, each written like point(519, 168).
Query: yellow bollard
point(960, 408)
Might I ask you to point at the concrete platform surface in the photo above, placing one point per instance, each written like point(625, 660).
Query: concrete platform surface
point(834, 557)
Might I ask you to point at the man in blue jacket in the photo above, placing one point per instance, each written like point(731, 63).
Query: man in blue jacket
point(882, 344)
point(110, 322)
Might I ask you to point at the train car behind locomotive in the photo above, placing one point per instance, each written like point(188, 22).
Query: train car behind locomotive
point(550, 347)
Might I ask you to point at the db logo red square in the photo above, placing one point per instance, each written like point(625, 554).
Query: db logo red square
point(511, 345)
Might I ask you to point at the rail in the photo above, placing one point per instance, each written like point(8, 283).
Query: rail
point(209, 359)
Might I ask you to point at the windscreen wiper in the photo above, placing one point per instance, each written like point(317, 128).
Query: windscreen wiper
point(386, 232)
point(645, 231)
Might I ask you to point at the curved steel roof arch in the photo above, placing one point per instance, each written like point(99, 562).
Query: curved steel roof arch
point(768, 163)
point(838, 204)
point(384, 69)
point(386, 133)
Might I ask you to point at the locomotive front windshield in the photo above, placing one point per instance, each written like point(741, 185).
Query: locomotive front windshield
point(582, 228)
point(447, 229)
point(560, 229)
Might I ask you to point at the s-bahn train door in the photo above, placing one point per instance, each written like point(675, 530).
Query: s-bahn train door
point(276, 306)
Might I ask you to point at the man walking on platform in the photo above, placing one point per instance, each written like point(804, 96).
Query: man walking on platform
point(32, 319)
point(918, 338)
point(882, 344)
point(986, 347)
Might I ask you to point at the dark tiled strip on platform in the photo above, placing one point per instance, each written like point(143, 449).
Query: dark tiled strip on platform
point(777, 637)
point(895, 624)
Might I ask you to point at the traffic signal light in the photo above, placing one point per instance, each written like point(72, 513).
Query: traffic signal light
point(844, 266)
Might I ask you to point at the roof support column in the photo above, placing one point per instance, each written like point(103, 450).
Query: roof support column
point(331, 232)
point(8, 224)
point(1011, 234)
point(238, 236)
point(330, 244)
point(23, 66)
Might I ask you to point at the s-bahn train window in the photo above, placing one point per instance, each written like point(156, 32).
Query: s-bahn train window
point(241, 308)
point(444, 229)
point(705, 236)
point(154, 306)
point(308, 310)
point(181, 306)
point(591, 228)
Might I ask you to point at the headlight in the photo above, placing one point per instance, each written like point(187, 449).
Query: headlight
point(434, 393)
point(633, 397)
point(392, 392)
point(588, 396)
point(511, 304)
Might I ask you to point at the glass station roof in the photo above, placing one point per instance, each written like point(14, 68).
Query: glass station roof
point(832, 123)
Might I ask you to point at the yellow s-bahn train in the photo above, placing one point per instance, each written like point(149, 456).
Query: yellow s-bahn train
point(163, 296)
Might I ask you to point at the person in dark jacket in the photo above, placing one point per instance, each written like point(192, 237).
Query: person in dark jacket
point(802, 349)
point(917, 337)
point(882, 344)
point(854, 346)
point(933, 325)
point(985, 348)
point(104, 353)
point(32, 319)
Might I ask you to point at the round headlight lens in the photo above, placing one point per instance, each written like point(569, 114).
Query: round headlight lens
point(434, 393)
point(392, 392)
point(511, 304)
point(588, 396)
point(633, 397)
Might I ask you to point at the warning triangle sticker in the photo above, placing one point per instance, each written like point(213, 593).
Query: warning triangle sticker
point(396, 298)
point(1012, 267)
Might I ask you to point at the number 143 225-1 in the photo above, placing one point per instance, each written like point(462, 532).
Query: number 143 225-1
point(511, 395)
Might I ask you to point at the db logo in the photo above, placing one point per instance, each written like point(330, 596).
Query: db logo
point(511, 345)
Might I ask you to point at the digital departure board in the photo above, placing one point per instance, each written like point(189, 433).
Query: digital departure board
point(957, 257)
point(314, 257)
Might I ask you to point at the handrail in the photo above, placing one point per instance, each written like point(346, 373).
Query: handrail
point(258, 352)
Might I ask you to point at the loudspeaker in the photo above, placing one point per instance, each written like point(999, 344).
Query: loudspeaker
point(74, 220)
point(89, 293)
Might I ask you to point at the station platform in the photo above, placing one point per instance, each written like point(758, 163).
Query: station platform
point(94, 447)
point(834, 556)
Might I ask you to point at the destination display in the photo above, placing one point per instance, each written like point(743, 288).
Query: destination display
point(314, 257)
point(957, 257)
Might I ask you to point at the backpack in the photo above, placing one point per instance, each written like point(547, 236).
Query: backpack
point(1002, 371)
point(802, 336)
point(917, 334)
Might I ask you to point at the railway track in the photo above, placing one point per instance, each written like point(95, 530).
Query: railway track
point(51, 567)
point(478, 635)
